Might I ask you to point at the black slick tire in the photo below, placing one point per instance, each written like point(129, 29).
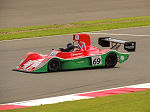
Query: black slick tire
point(111, 60)
point(54, 65)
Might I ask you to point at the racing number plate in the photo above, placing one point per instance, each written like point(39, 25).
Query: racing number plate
point(96, 60)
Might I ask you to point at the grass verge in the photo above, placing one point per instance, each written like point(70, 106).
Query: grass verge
point(129, 102)
point(78, 27)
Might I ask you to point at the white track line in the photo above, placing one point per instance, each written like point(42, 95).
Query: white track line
point(116, 34)
point(80, 33)
point(34, 38)
point(86, 33)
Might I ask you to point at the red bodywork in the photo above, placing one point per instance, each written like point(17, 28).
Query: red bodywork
point(86, 49)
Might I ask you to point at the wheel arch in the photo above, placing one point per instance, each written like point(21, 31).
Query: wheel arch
point(122, 57)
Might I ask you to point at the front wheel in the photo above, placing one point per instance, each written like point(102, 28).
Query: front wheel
point(54, 65)
point(111, 60)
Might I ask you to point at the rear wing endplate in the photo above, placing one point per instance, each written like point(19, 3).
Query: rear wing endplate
point(116, 43)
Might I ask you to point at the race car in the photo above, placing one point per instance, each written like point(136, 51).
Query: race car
point(78, 54)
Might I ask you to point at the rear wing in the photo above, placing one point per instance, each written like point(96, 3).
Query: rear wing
point(116, 43)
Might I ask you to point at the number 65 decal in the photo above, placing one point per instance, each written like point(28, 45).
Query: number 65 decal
point(96, 60)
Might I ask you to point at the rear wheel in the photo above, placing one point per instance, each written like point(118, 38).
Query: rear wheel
point(111, 60)
point(54, 65)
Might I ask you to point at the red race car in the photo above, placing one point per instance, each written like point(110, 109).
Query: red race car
point(79, 54)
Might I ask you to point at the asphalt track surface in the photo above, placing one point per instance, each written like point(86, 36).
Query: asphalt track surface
point(20, 86)
point(19, 13)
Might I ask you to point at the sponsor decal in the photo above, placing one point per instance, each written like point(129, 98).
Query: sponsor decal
point(76, 54)
point(17, 67)
point(21, 61)
point(129, 47)
point(77, 37)
point(32, 63)
point(53, 53)
point(80, 62)
point(122, 58)
point(96, 60)
point(28, 64)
